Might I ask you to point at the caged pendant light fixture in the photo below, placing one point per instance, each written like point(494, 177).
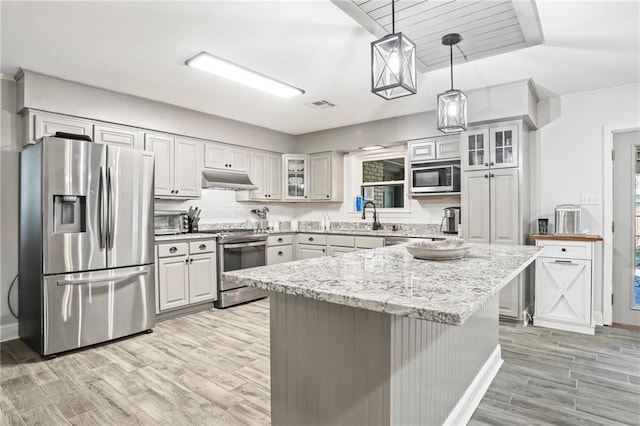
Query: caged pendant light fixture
point(452, 104)
point(393, 64)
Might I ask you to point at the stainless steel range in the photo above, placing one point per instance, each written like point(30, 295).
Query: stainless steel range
point(238, 249)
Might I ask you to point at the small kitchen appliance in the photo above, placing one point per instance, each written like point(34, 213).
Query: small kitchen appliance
point(435, 177)
point(168, 222)
point(568, 219)
point(451, 220)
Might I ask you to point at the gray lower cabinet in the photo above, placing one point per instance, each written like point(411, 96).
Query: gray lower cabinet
point(186, 274)
point(279, 249)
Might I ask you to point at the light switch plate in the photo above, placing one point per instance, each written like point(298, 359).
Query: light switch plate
point(590, 199)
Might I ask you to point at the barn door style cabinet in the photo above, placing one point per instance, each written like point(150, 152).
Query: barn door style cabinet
point(495, 194)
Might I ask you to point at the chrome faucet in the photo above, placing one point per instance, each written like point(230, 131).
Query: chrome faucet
point(376, 224)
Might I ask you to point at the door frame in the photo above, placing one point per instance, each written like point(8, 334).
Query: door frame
point(608, 133)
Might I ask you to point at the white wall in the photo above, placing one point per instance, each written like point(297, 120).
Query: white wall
point(219, 206)
point(570, 144)
point(9, 169)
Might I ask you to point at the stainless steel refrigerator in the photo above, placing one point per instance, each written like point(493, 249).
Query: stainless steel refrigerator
point(86, 244)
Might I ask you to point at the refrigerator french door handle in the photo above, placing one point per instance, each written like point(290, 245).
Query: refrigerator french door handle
point(101, 210)
point(110, 215)
point(103, 279)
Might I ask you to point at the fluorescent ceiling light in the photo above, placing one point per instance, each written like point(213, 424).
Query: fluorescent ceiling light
point(222, 68)
point(371, 147)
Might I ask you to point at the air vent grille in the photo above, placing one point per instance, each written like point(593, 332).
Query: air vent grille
point(321, 104)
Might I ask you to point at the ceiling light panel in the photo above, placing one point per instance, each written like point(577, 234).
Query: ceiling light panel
point(490, 27)
point(225, 69)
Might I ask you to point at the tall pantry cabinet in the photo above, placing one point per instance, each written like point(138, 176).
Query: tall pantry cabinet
point(495, 197)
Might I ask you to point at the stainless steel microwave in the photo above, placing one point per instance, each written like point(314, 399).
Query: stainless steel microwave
point(430, 178)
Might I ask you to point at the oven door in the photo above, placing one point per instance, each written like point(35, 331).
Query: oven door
point(234, 256)
point(431, 179)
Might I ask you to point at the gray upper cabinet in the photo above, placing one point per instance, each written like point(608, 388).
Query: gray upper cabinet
point(424, 150)
point(265, 171)
point(226, 157)
point(37, 124)
point(325, 176)
point(112, 134)
point(177, 165)
point(493, 147)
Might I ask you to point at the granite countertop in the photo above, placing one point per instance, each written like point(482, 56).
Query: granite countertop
point(193, 236)
point(390, 280)
point(370, 232)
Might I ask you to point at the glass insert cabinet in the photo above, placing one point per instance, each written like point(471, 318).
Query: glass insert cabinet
point(296, 169)
point(494, 147)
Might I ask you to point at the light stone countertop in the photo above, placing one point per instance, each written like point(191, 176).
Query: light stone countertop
point(390, 280)
point(371, 233)
point(183, 237)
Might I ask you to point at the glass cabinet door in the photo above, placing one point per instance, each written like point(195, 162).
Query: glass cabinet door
point(475, 150)
point(504, 147)
point(296, 175)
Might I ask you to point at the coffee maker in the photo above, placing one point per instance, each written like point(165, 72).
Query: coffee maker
point(451, 220)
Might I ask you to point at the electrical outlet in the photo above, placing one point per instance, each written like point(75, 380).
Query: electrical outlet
point(590, 199)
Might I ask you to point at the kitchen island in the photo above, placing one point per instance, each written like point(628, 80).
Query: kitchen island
point(378, 337)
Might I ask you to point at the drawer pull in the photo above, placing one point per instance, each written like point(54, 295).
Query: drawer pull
point(280, 253)
point(563, 261)
point(310, 238)
point(564, 249)
point(173, 249)
point(202, 246)
point(280, 240)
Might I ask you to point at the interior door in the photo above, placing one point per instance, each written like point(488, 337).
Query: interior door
point(626, 238)
point(130, 207)
point(73, 181)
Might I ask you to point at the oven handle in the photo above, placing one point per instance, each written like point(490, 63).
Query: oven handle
point(238, 245)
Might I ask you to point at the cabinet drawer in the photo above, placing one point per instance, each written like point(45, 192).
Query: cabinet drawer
point(279, 254)
point(369, 242)
point(315, 239)
point(566, 249)
point(279, 240)
point(206, 246)
point(177, 249)
point(341, 240)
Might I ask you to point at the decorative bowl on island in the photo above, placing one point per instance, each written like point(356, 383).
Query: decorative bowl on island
point(451, 248)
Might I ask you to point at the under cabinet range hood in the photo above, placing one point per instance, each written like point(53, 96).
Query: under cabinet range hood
point(225, 179)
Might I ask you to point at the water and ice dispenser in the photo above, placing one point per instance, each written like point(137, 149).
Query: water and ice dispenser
point(69, 213)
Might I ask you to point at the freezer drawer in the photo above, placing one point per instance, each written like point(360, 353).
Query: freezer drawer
point(92, 307)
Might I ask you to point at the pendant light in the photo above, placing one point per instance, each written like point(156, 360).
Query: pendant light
point(452, 104)
point(393, 64)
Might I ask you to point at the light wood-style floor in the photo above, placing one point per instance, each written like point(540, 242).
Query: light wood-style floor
point(212, 368)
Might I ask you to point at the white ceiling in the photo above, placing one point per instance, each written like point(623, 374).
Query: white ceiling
point(139, 48)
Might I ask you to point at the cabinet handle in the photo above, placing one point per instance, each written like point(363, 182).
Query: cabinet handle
point(176, 191)
point(492, 163)
point(486, 176)
point(328, 196)
point(186, 261)
point(486, 164)
point(563, 249)
point(310, 238)
point(323, 250)
point(173, 249)
point(492, 175)
point(563, 261)
point(202, 246)
point(190, 260)
point(305, 196)
point(280, 253)
point(265, 195)
point(280, 240)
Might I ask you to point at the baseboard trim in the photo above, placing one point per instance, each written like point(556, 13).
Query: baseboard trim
point(9, 332)
point(464, 409)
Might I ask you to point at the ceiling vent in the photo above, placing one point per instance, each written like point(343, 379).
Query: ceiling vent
point(322, 104)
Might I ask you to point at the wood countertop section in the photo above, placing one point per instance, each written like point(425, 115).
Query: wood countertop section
point(584, 238)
